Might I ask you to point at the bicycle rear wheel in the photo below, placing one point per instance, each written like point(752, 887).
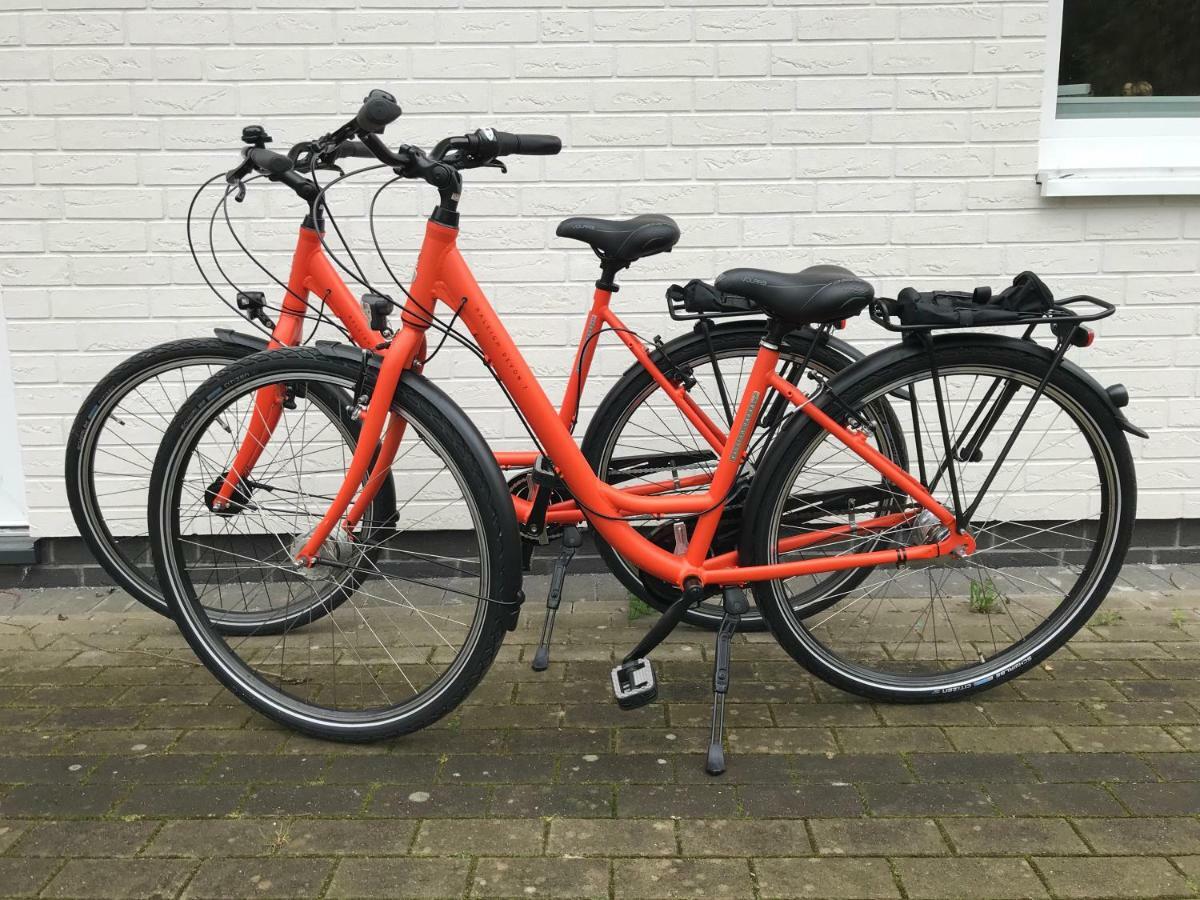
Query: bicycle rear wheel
point(418, 598)
point(1052, 525)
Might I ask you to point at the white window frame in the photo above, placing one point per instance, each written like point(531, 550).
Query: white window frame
point(1084, 157)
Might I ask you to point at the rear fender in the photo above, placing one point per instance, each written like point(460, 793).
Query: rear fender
point(890, 356)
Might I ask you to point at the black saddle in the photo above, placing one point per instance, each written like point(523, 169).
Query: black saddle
point(623, 240)
point(817, 295)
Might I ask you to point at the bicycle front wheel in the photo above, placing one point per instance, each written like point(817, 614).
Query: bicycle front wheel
point(1052, 520)
point(417, 597)
point(111, 450)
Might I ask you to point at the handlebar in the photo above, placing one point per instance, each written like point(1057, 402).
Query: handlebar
point(527, 144)
point(379, 110)
point(439, 168)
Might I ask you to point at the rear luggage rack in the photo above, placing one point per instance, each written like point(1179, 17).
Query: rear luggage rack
point(1027, 303)
point(698, 300)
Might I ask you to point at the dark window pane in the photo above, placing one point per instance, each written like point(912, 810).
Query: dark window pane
point(1130, 58)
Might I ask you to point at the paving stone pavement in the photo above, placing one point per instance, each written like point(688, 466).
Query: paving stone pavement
point(126, 771)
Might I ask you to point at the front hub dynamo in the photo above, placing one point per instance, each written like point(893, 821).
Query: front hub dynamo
point(339, 550)
point(237, 502)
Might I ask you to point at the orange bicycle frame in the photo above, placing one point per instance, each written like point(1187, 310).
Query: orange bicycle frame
point(443, 276)
point(311, 274)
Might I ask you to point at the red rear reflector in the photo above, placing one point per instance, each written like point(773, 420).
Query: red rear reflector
point(839, 325)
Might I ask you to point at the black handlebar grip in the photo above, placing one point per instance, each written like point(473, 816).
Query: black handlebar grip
point(526, 144)
point(268, 162)
point(354, 148)
point(379, 110)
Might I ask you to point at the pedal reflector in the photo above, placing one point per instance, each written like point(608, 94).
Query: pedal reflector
point(633, 684)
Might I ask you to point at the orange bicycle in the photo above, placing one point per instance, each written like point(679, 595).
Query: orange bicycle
point(907, 573)
point(122, 420)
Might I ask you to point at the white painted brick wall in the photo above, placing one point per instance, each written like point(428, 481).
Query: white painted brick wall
point(894, 136)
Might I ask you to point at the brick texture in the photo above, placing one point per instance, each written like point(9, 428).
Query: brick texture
point(898, 138)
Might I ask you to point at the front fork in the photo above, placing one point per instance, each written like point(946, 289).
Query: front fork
point(369, 453)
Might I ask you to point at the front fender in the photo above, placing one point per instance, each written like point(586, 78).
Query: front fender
point(237, 338)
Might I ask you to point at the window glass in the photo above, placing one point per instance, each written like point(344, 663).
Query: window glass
point(1130, 58)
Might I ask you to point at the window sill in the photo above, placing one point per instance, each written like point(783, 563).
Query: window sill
point(1140, 162)
point(1119, 182)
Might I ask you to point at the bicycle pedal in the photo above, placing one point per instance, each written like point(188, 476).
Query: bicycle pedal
point(633, 683)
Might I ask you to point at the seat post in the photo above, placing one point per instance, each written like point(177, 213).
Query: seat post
point(609, 268)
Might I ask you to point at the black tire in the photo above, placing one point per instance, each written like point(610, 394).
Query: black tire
point(636, 386)
point(465, 453)
point(128, 562)
point(1024, 363)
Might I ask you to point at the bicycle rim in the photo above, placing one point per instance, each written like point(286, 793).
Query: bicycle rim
point(1048, 529)
point(401, 622)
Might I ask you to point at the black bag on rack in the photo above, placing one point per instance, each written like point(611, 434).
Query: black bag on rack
point(1027, 298)
point(699, 298)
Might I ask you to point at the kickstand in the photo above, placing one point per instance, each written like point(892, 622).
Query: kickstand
point(736, 606)
point(571, 539)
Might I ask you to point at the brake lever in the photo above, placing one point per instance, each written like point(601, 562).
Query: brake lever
point(496, 164)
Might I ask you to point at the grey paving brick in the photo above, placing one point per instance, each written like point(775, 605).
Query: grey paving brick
point(741, 837)
point(154, 769)
point(971, 767)
point(836, 879)
point(682, 879)
point(1096, 876)
point(746, 768)
point(1090, 767)
point(181, 800)
point(85, 838)
point(410, 879)
point(1175, 766)
point(1142, 836)
point(48, 801)
point(219, 837)
point(25, 877)
point(602, 837)
point(926, 799)
point(563, 800)
point(808, 800)
point(1012, 836)
point(483, 837)
point(53, 770)
point(988, 879)
point(782, 740)
point(247, 768)
point(493, 769)
point(616, 768)
point(412, 801)
point(11, 831)
point(305, 800)
point(333, 837)
point(878, 837)
point(1118, 738)
point(1006, 739)
point(894, 740)
point(1181, 799)
point(677, 801)
point(233, 879)
point(119, 878)
point(1054, 800)
point(557, 878)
